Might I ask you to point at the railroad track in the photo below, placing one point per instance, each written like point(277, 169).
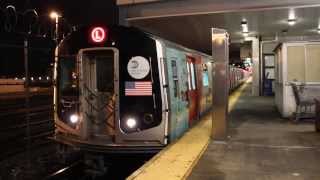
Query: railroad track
point(13, 130)
point(69, 172)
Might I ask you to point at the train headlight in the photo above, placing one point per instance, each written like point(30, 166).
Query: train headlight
point(74, 118)
point(131, 123)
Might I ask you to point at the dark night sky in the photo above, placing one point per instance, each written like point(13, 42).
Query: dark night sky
point(75, 11)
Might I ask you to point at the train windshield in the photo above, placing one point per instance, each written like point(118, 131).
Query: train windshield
point(68, 89)
point(67, 76)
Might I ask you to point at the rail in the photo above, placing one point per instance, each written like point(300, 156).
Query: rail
point(13, 125)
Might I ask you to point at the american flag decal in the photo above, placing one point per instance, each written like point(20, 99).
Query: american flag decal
point(138, 88)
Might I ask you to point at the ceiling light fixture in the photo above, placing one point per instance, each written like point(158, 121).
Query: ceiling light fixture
point(291, 22)
point(245, 34)
point(292, 17)
point(245, 30)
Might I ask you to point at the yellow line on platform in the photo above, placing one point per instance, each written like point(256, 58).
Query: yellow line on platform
point(177, 160)
point(233, 98)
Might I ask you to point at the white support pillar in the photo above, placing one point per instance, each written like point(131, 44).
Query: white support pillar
point(256, 65)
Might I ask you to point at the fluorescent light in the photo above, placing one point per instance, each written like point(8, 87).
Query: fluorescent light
point(244, 23)
point(244, 26)
point(291, 22)
point(292, 14)
point(245, 29)
point(292, 17)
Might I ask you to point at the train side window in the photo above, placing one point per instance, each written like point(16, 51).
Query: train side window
point(189, 78)
point(193, 76)
point(205, 75)
point(174, 69)
point(105, 72)
point(205, 78)
point(175, 78)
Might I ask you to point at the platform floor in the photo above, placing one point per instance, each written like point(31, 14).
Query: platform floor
point(261, 146)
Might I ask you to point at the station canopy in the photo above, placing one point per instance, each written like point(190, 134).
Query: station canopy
point(188, 22)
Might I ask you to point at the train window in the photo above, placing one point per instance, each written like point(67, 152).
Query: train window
point(67, 87)
point(176, 88)
point(67, 76)
point(205, 78)
point(175, 78)
point(189, 78)
point(193, 76)
point(105, 71)
point(174, 69)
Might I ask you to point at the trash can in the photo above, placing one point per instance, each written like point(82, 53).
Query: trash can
point(317, 120)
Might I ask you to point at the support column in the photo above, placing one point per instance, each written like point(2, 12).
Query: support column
point(256, 65)
point(220, 54)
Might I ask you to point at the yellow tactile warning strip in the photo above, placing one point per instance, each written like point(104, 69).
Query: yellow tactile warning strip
point(177, 159)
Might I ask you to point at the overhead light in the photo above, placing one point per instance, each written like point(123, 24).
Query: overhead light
point(318, 30)
point(244, 23)
point(244, 26)
point(245, 34)
point(292, 19)
point(291, 22)
point(54, 15)
point(245, 29)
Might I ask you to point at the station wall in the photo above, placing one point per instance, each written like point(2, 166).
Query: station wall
point(298, 63)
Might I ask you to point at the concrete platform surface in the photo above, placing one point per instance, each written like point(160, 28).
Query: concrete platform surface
point(176, 161)
point(261, 146)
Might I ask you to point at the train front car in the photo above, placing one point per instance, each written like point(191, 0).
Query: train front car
point(108, 91)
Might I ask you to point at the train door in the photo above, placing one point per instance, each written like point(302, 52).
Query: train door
point(98, 93)
point(192, 89)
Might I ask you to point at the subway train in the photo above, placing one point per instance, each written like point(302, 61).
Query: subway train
point(121, 90)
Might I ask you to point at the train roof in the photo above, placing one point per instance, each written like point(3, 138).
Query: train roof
point(132, 29)
point(174, 44)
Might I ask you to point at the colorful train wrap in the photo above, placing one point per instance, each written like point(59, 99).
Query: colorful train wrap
point(119, 89)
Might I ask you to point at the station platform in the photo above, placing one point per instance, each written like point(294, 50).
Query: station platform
point(260, 145)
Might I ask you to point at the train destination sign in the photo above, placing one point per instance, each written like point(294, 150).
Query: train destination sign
point(98, 34)
point(138, 67)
